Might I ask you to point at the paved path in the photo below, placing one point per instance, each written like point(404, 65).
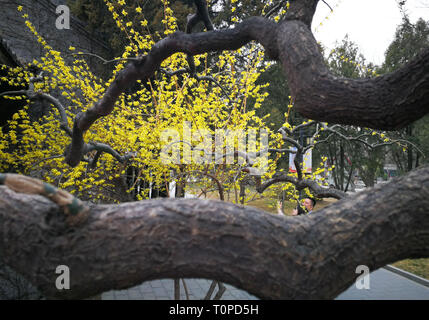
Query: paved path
point(384, 284)
point(164, 290)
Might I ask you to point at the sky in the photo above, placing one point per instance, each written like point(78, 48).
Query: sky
point(371, 24)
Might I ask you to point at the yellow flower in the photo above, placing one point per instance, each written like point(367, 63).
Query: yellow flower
point(19, 8)
point(139, 10)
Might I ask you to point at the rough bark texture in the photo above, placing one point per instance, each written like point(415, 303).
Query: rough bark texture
point(268, 255)
point(387, 102)
point(318, 191)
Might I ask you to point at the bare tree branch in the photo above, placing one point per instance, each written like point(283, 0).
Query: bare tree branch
point(387, 102)
point(328, 5)
point(32, 95)
point(105, 61)
point(276, 8)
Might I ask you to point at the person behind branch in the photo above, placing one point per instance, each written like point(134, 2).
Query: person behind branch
point(308, 203)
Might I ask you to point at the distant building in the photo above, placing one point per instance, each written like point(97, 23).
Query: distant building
point(390, 170)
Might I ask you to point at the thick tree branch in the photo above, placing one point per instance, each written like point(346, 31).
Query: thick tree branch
point(203, 14)
point(387, 102)
point(371, 146)
point(270, 256)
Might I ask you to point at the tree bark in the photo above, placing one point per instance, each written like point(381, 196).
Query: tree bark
point(270, 256)
point(388, 102)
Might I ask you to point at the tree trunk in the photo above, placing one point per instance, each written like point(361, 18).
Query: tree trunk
point(242, 191)
point(270, 256)
point(349, 178)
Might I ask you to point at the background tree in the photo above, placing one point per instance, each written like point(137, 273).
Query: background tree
point(410, 40)
point(351, 157)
